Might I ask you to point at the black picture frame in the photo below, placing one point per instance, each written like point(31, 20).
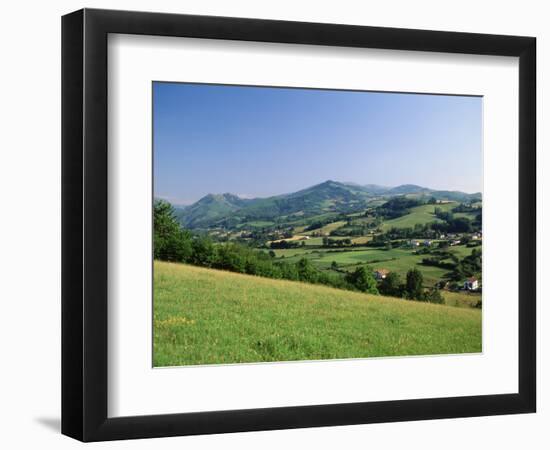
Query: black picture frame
point(84, 224)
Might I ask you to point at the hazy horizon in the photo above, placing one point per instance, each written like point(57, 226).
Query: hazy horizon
point(261, 142)
point(177, 203)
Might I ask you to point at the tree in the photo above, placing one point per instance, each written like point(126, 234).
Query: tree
point(203, 251)
point(363, 280)
point(229, 257)
point(306, 271)
point(413, 285)
point(283, 244)
point(469, 266)
point(460, 225)
point(334, 265)
point(170, 241)
point(391, 285)
point(443, 244)
point(434, 296)
point(288, 271)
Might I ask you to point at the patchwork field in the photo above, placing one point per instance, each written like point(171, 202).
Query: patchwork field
point(205, 316)
point(327, 228)
point(398, 260)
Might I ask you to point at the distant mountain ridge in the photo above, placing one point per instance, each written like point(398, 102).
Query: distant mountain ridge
point(408, 189)
point(227, 210)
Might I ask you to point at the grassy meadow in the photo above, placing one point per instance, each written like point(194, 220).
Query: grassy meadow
point(206, 316)
point(419, 215)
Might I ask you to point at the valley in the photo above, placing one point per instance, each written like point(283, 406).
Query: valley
point(339, 228)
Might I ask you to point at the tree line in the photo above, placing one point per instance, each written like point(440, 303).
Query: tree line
point(397, 207)
point(173, 243)
point(412, 288)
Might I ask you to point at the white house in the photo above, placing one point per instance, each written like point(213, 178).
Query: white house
point(471, 284)
point(380, 274)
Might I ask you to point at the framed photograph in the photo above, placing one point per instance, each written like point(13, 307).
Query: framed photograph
point(272, 224)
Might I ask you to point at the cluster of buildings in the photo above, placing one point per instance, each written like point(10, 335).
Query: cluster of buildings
point(413, 243)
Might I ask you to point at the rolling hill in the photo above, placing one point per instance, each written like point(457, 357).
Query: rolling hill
point(210, 209)
point(422, 214)
point(228, 210)
point(206, 316)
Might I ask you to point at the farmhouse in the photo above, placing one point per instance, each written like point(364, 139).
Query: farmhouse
point(380, 274)
point(471, 284)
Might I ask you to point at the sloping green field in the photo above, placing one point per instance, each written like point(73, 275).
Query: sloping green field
point(205, 316)
point(419, 214)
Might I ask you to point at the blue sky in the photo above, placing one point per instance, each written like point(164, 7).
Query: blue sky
point(259, 141)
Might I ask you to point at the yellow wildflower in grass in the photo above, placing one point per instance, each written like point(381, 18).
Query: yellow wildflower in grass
point(173, 321)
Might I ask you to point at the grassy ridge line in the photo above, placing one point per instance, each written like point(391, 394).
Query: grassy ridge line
point(206, 316)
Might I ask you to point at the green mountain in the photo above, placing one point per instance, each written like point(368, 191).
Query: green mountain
point(330, 196)
point(327, 196)
point(375, 188)
point(228, 210)
point(209, 210)
point(456, 196)
point(408, 189)
point(413, 190)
